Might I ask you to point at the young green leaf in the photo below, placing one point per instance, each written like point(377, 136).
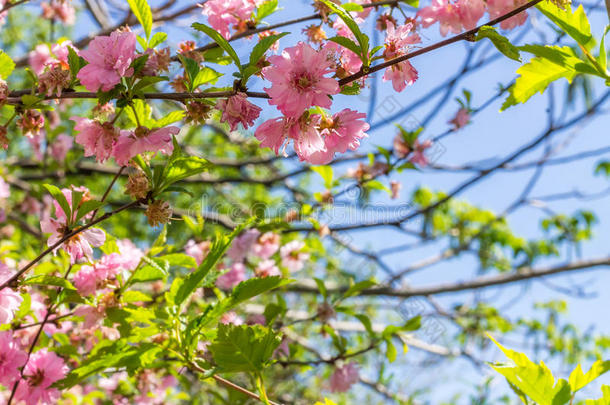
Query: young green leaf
point(501, 43)
point(220, 40)
point(575, 24)
point(6, 65)
point(60, 198)
point(141, 10)
point(362, 39)
point(262, 46)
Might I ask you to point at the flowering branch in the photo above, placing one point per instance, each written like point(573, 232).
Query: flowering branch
point(75, 232)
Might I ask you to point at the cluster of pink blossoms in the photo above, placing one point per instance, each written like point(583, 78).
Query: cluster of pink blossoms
point(40, 371)
point(226, 14)
point(78, 246)
point(456, 16)
point(298, 78)
point(256, 250)
point(59, 10)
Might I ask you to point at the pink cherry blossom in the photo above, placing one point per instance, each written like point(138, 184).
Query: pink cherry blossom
point(197, 251)
point(231, 278)
point(78, 246)
point(60, 146)
point(231, 318)
point(9, 303)
point(5, 190)
point(129, 254)
point(131, 144)
point(60, 10)
point(57, 55)
point(237, 109)
point(461, 119)
point(402, 75)
point(242, 244)
point(298, 79)
point(97, 139)
point(497, 8)
point(344, 130)
point(418, 156)
point(267, 268)
point(11, 359)
point(42, 370)
point(445, 13)
point(266, 245)
point(471, 12)
point(85, 281)
point(293, 258)
point(109, 59)
point(224, 14)
point(344, 377)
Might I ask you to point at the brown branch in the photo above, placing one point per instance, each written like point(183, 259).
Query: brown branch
point(465, 36)
point(521, 274)
point(64, 239)
point(11, 5)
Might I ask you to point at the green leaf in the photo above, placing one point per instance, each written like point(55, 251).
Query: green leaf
point(148, 81)
point(358, 287)
point(391, 351)
point(579, 380)
point(60, 198)
point(182, 168)
point(326, 172)
point(185, 287)
point(75, 62)
point(575, 24)
point(535, 76)
point(346, 43)
point(244, 348)
point(141, 10)
point(362, 39)
point(49, 281)
point(534, 381)
point(6, 65)
point(501, 43)
point(180, 260)
point(157, 39)
point(170, 118)
point(135, 296)
point(204, 76)
point(87, 207)
point(266, 9)
point(262, 46)
point(254, 287)
point(602, 58)
point(220, 40)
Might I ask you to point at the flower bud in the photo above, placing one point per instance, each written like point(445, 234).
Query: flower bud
point(31, 122)
point(158, 212)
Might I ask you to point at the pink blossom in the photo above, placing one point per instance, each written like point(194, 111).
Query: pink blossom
point(298, 82)
point(60, 146)
point(267, 268)
point(242, 244)
point(237, 109)
point(9, 303)
point(342, 28)
point(91, 315)
point(11, 358)
point(223, 14)
point(97, 139)
point(419, 149)
point(497, 8)
point(471, 12)
point(44, 56)
point(402, 75)
point(85, 281)
point(78, 246)
point(131, 144)
point(5, 191)
point(60, 10)
point(445, 13)
point(39, 58)
point(130, 254)
point(344, 130)
point(231, 278)
point(197, 251)
point(266, 245)
point(42, 370)
point(344, 377)
point(293, 258)
point(461, 119)
point(231, 318)
point(109, 59)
